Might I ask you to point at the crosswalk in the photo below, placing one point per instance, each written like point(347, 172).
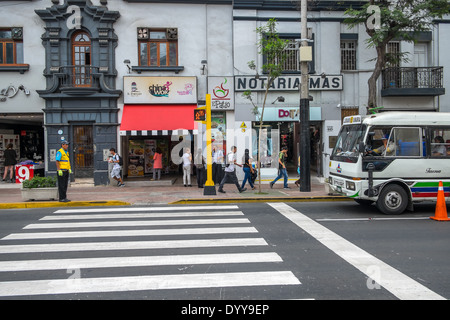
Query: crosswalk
point(107, 250)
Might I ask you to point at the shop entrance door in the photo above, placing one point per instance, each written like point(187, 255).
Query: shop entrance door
point(83, 151)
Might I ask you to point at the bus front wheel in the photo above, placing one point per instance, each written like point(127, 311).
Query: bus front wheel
point(392, 199)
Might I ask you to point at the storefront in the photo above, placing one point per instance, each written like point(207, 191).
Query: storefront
point(25, 133)
point(281, 127)
point(158, 112)
point(221, 90)
point(281, 119)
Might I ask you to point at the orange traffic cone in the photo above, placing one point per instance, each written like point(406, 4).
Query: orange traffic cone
point(441, 207)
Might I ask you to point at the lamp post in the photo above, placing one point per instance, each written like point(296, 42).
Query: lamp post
point(305, 142)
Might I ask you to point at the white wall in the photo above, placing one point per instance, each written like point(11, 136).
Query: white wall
point(21, 14)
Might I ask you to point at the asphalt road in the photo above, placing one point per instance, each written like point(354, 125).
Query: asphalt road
point(258, 251)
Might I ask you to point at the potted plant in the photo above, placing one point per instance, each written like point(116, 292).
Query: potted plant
point(40, 188)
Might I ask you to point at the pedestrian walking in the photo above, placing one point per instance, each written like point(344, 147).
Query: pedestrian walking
point(64, 170)
point(282, 168)
point(230, 171)
point(115, 172)
point(297, 183)
point(248, 170)
point(187, 161)
point(200, 163)
point(157, 163)
point(217, 158)
point(10, 161)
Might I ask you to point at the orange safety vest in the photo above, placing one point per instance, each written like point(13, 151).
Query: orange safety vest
point(64, 163)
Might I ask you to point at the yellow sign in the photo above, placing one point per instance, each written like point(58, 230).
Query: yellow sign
point(243, 126)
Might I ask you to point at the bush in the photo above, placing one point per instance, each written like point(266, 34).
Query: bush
point(40, 182)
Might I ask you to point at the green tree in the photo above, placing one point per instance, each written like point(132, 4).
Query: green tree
point(272, 48)
point(387, 20)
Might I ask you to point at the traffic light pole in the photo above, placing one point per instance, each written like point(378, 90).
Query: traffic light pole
point(209, 188)
point(305, 141)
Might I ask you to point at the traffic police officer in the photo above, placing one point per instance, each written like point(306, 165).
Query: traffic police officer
point(64, 170)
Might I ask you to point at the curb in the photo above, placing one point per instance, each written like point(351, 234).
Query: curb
point(254, 200)
point(52, 204)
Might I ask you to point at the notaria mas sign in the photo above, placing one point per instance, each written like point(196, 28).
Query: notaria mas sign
point(288, 83)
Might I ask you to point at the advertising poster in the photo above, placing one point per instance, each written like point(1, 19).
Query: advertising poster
point(219, 130)
point(136, 156)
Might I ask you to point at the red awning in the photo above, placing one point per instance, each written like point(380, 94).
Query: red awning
point(141, 119)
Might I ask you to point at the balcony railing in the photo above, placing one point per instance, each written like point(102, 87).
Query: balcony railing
point(421, 81)
point(80, 76)
point(79, 80)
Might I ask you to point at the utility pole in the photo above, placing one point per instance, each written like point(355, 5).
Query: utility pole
point(305, 142)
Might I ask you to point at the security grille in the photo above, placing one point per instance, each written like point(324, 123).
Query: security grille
point(292, 62)
point(348, 55)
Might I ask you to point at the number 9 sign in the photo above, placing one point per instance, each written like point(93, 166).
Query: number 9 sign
point(24, 172)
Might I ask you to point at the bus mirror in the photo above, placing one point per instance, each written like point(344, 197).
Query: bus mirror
point(362, 146)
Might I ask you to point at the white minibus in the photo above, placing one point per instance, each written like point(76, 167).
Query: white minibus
point(392, 159)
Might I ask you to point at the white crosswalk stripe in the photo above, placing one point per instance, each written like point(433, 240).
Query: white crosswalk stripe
point(117, 239)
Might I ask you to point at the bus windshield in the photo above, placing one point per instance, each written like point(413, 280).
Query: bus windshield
point(347, 148)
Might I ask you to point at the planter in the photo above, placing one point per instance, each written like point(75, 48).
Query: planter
point(40, 193)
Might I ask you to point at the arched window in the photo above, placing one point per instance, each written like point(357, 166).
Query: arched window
point(81, 49)
point(81, 59)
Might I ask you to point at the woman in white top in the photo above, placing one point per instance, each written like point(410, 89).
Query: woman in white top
point(187, 160)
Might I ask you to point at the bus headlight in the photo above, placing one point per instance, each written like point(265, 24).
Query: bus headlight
point(350, 185)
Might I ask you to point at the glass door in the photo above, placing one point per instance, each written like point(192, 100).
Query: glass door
point(83, 152)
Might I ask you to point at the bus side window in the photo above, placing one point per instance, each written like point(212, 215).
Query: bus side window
point(440, 142)
point(406, 142)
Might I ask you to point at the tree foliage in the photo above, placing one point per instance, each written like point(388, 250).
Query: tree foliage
point(385, 21)
point(272, 48)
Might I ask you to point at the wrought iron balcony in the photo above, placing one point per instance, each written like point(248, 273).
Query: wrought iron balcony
point(422, 81)
point(80, 80)
point(80, 76)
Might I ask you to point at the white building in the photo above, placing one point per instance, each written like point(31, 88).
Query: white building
point(88, 69)
point(341, 66)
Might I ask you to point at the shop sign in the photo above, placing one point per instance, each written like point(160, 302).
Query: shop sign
point(160, 90)
point(222, 93)
point(289, 83)
point(24, 172)
point(290, 114)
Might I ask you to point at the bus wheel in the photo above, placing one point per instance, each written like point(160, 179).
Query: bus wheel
point(392, 200)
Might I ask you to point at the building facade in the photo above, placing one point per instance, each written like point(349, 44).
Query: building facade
point(80, 96)
point(341, 66)
point(128, 74)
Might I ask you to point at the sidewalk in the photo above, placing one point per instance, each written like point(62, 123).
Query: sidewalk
point(168, 191)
